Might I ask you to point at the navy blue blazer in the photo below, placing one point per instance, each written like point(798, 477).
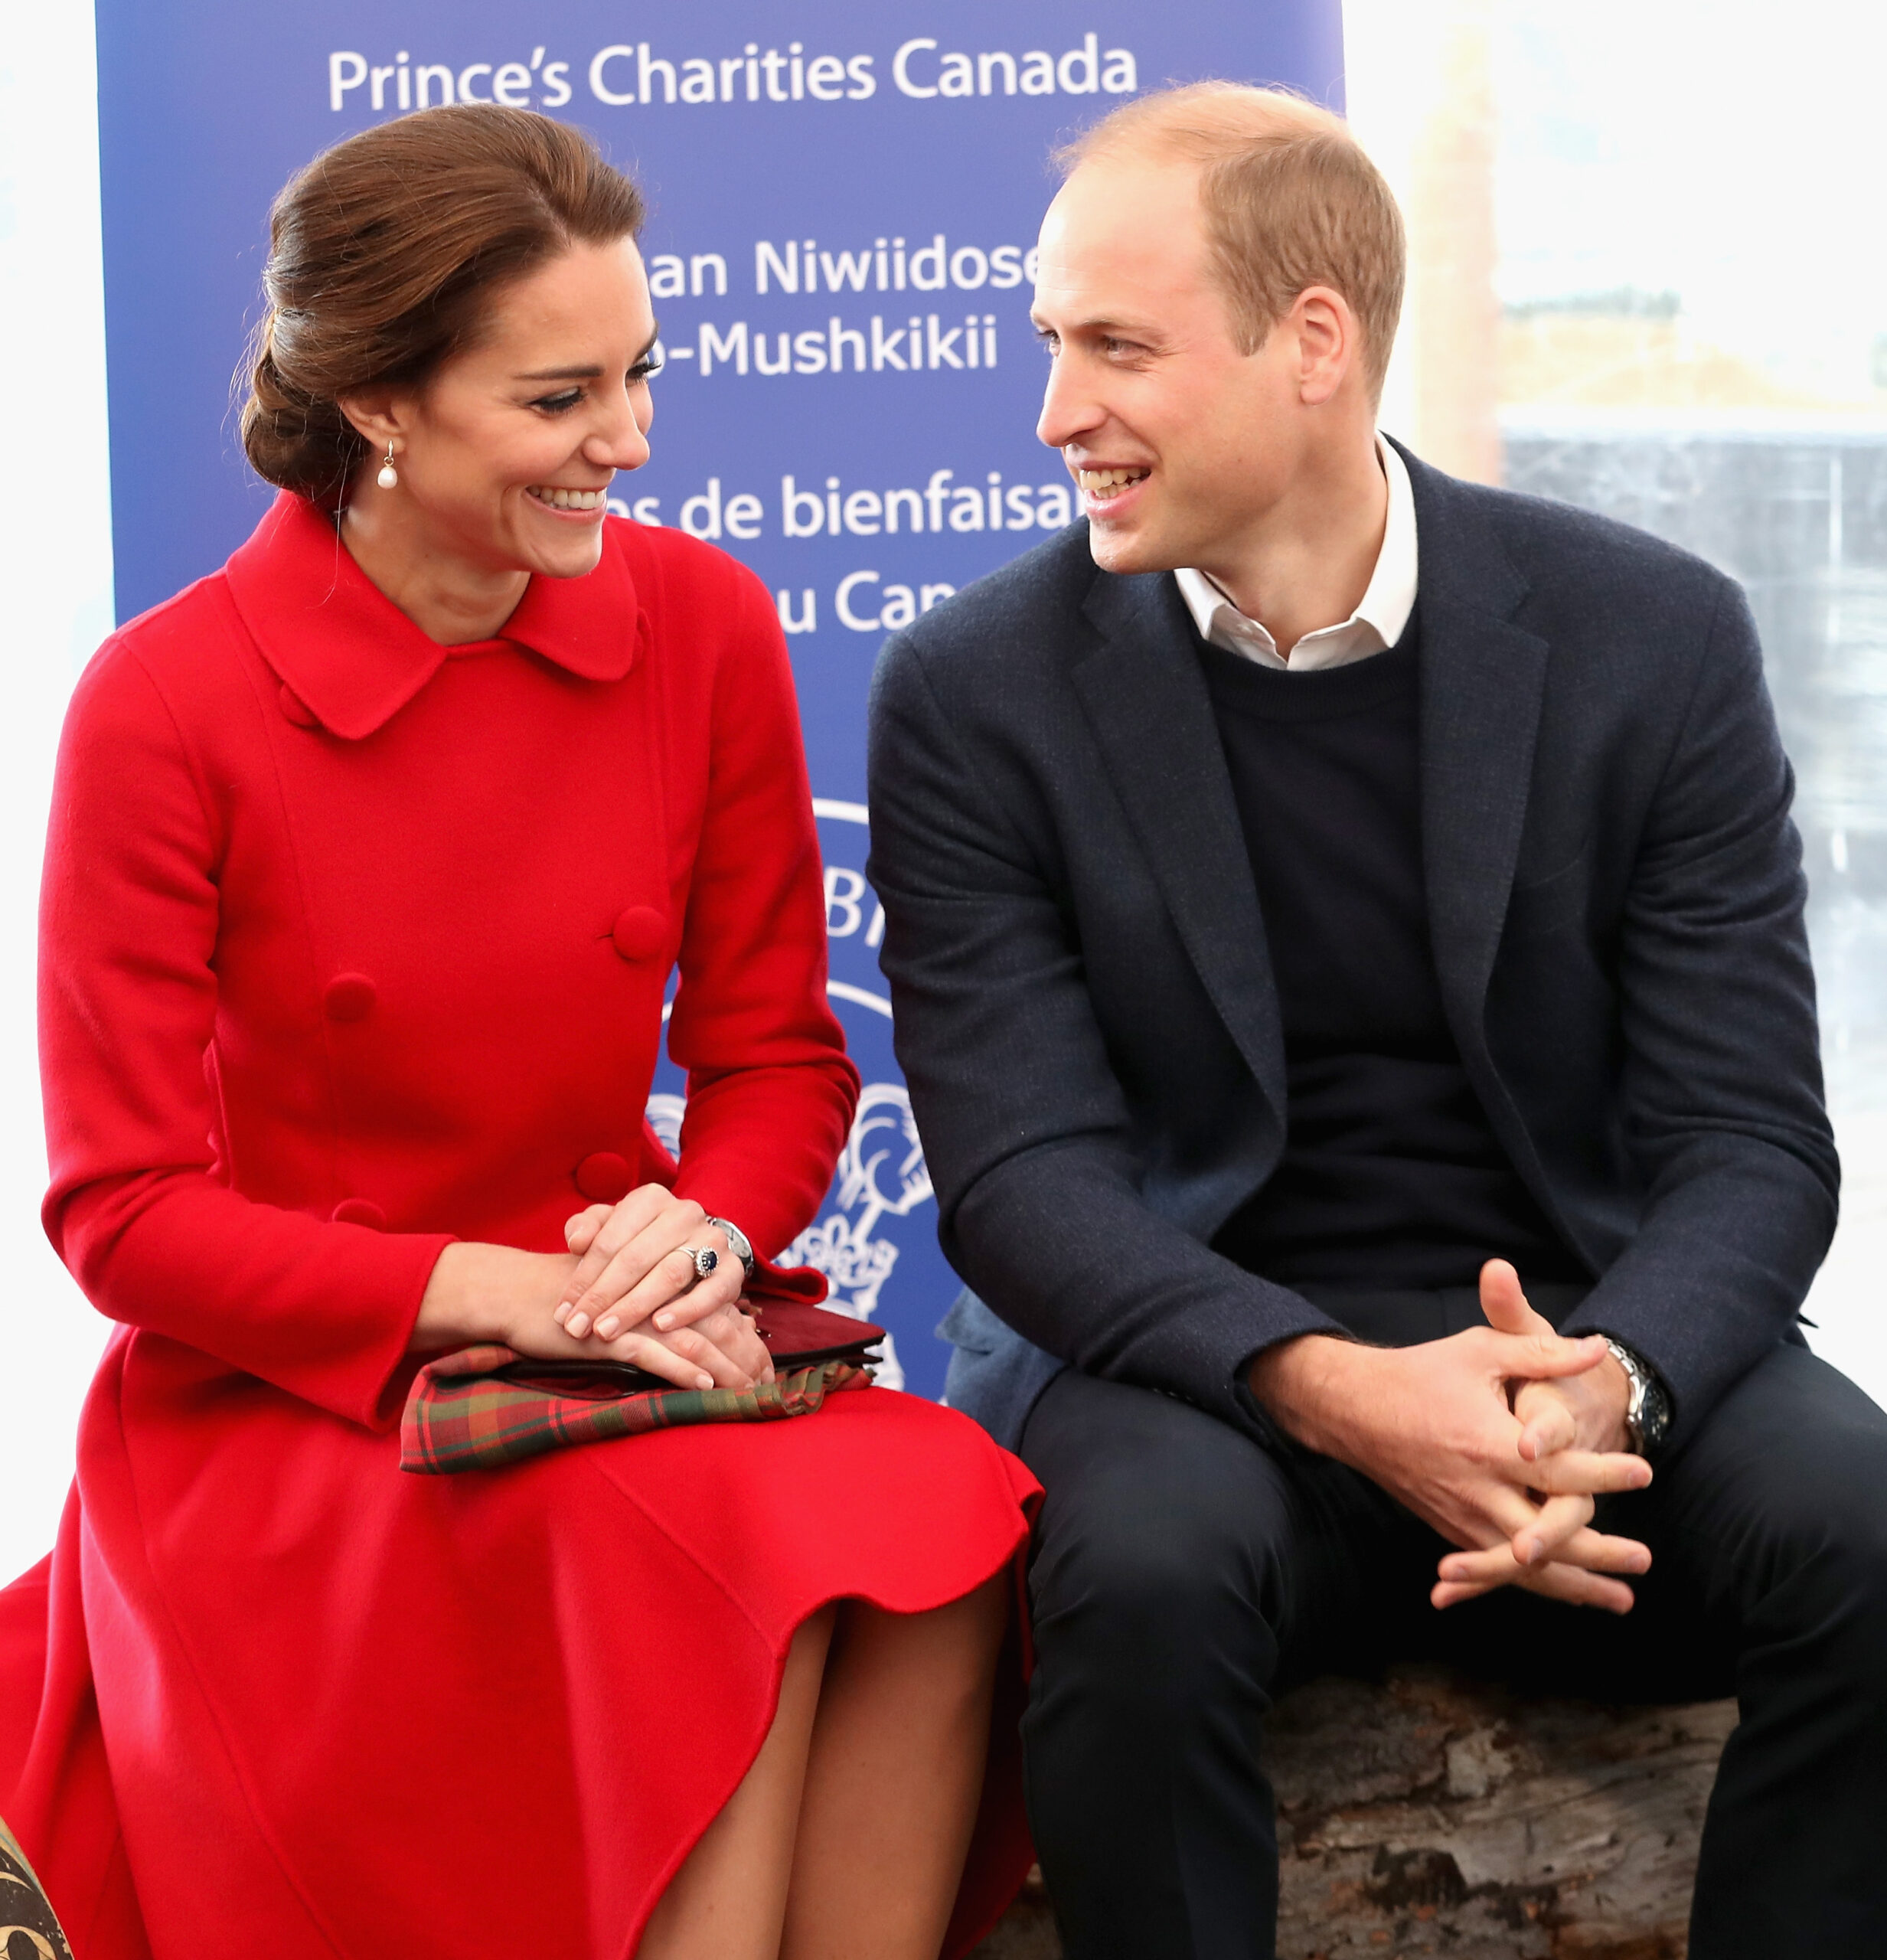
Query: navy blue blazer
point(1084, 1007)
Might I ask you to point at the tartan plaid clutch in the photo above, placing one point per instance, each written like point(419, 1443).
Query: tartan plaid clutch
point(486, 1406)
point(25, 1908)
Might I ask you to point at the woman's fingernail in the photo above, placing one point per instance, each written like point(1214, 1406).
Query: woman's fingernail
point(607, 1328)
point(563, 1312)
point(577, 1325)
point(664, 1320)
point(705, 1381)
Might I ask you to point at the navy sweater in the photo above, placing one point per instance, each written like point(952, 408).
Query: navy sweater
point(1392, 1176)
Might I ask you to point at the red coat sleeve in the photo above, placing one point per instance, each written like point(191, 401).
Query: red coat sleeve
point(771, 1091)
point(137, 1208)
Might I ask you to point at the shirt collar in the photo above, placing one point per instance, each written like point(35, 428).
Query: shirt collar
point(354, 659)
point(1378, 621)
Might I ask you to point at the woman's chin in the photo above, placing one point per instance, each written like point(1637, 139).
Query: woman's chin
point(571, 557)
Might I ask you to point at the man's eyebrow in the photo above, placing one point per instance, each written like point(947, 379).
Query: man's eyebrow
point(1141, 330)
point(587, 374)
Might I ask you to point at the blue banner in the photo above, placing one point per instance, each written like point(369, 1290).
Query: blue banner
point(844, 200)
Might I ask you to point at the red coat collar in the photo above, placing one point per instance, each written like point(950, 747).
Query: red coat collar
point(355, 659)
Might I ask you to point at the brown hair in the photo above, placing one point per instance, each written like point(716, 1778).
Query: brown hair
point(1290, 202)
point(385, 254)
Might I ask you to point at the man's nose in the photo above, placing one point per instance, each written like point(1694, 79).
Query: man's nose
point(1068, 409)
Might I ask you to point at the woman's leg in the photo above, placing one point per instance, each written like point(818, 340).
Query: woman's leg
point(893, 1778)
point(728, 1901)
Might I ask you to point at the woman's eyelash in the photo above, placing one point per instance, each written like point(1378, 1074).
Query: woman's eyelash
point(650, 365)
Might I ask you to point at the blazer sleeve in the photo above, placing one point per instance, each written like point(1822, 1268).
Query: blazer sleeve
point(1026, 1129)
point(1722, 1070)
point(139, 1208)
point(771, 1090)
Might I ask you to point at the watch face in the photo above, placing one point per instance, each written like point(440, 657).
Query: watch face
point(1656, 1419)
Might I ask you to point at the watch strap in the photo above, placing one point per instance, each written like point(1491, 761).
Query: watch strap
point(1647, 1408)
point(738, 1243)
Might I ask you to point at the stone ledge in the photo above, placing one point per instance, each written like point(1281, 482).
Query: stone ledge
point(1427, 1814)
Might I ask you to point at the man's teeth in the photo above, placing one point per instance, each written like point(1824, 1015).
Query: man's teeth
point(1106, 483)
point(567, 500)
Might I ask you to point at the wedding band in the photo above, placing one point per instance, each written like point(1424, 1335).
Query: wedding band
point(705, 1258)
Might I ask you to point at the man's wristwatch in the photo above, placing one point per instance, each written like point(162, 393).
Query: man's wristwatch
point(1647, 1407)
point(738, 1243)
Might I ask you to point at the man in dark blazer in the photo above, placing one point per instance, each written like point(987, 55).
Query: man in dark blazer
point(1315, 889)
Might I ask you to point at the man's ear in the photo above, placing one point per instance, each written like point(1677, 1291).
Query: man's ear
point(1328, 340)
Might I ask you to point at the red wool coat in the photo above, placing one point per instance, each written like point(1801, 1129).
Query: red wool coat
point(352, 944)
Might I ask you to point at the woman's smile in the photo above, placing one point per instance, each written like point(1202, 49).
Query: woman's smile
point(582, 504)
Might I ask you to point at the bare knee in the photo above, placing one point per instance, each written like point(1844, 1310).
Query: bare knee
point(976, 1623)
point(968, 1628)
point(950, 1651)
point(812, 1641)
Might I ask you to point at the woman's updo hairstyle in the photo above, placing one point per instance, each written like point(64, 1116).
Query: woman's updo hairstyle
point(384, 256)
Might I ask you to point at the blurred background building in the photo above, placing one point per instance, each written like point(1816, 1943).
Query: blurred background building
point(1644, 279)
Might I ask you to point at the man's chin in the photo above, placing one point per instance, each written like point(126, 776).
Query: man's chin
point(1127, 548)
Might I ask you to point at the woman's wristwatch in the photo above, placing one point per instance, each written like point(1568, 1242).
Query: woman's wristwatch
point(1648, 1406)
point(738, 1243)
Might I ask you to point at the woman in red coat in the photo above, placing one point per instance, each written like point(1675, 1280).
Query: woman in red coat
point(371, 857)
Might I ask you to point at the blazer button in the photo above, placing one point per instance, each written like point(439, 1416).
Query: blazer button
point(349, 997)
point(296, 710)
point(360, 1211)
point(603, 1176)
point(639, 932)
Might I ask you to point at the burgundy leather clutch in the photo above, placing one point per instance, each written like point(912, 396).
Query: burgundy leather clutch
point(798, 1336)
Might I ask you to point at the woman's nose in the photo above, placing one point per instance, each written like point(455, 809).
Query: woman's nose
point(621, 442)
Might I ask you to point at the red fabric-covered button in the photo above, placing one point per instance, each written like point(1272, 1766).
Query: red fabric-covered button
point(297, 710)
point(360, 1211)
point(349, 997)
point(603, 1176)
point(638, 931)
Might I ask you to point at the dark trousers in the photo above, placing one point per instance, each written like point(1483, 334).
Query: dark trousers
point(1183, 1576)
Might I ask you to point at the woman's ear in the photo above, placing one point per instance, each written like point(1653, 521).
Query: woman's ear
point(378, 418)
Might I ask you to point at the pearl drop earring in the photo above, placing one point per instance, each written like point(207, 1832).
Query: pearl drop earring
point(388, 477)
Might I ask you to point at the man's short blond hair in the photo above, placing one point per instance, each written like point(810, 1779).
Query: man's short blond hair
point(1290, 202)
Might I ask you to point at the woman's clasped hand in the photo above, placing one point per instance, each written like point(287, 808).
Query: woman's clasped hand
point(627, 1290)
point(637, 1289)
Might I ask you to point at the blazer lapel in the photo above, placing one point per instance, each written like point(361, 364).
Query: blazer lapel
point(1482, 682)
point(1145, 698)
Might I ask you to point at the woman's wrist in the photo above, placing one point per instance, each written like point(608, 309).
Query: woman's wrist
point(738, 1243)
point(480, 1292)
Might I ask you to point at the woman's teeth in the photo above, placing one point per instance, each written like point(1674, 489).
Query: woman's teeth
point(559, 499)
point(1102, 484)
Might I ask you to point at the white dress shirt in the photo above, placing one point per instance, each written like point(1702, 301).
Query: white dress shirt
point(1377, 622)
